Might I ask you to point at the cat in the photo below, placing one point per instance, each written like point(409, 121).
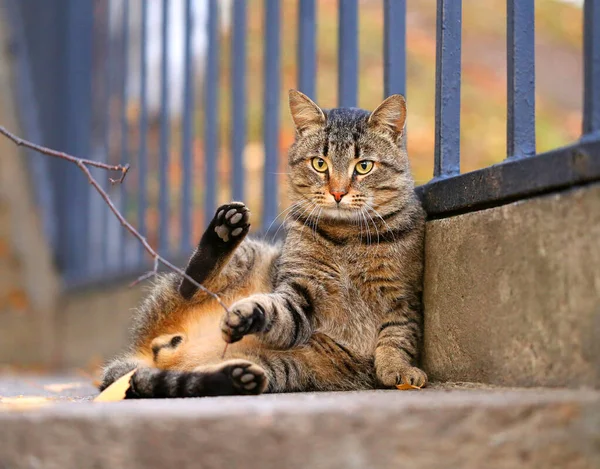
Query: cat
point(336, 306)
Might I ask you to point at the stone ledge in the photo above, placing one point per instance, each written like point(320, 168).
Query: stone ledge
point(435, 428)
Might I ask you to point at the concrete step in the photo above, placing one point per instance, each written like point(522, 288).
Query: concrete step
point(445, 426)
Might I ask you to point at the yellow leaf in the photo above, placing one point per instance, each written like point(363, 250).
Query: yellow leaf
point(23, 402)
point(407, 387)
point(60, 387)
point(116, 391)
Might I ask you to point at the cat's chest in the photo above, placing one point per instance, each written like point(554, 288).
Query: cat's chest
point(366, 273)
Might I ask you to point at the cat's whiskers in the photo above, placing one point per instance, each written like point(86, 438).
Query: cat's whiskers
point(317, 221)
point(373, 221)
point(367, 227)
point(309, 217)
point(383, 220)
point(295, 204)
point(292, 211)
point(360, 223)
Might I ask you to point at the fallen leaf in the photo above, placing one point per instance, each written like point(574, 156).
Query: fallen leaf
point(60, 387)
point(407, 387)
point(116, 391)
point(23, 402)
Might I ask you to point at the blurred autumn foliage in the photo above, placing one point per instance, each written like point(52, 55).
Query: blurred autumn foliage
point(483, 107)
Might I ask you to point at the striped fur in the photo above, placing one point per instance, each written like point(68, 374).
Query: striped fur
point(336, 307)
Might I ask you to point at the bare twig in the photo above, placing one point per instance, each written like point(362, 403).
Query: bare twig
point(83, 164)
point(224, 350)
point(147, 275)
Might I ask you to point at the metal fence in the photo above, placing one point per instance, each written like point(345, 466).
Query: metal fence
point(80, 59)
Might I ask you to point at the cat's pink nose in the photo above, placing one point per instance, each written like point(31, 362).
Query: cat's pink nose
point(337, 195)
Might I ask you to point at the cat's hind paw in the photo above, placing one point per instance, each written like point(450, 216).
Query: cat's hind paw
point(247, 377)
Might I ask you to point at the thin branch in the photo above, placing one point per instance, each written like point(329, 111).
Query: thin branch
point(147, 275)
point(83, 164)
point(65, 156)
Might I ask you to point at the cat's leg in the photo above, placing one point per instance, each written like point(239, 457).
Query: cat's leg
point(322, 364)
point(282, 319)
point(224, 234)
point(118, 367)
point(232, 377)
point(398, 345)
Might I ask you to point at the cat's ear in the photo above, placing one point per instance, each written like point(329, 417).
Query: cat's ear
point(305, 113)
point(390, 115)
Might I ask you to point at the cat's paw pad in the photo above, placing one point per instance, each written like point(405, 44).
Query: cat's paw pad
point(244, 317)
point(232, 221)
point(247, 377)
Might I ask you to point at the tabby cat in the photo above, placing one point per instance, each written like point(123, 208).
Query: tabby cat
point(337, 306)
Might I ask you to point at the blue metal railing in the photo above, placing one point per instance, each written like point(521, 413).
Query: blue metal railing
point(591, 57)
point(211, 108)
point(520, 36)
point(61, 70)
point(447, 88)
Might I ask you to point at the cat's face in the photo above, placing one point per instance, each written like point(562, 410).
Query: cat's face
point(348, 163)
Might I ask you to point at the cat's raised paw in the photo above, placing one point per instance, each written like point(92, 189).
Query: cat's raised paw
point(244, 317)
point(246, 376)
point(231, 221)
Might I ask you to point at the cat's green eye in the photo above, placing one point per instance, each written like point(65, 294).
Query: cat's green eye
point(364, 167)
point(319, 164)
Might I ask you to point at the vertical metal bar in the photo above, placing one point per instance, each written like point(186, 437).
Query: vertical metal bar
point(307, 56)
point(394, 47)
point(447, 88)
point(188, 131)
point(520, 48)
point(101, 258)
point(591, 64)
point(30, 114)
point(163, 170)
point(238, 97)
point(76, 133)
point(124, 124)
point(143, 149)
point(348, 53)
point(271, 106)
point(211, 109)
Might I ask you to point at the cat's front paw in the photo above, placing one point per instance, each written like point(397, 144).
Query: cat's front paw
point(244, 317)
point(231, 222)
point(409, 375)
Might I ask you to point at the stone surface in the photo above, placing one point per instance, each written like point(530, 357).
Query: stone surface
point(434, 428)
point(512, 294)
point(63, 387)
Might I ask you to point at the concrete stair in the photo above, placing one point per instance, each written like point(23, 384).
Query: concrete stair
point(444, 426)
point(511, 299)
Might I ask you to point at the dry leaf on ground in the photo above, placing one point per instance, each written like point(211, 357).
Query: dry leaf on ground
point(23, 402)
point(116, 391)
point(407, 387)
point(60, 387)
